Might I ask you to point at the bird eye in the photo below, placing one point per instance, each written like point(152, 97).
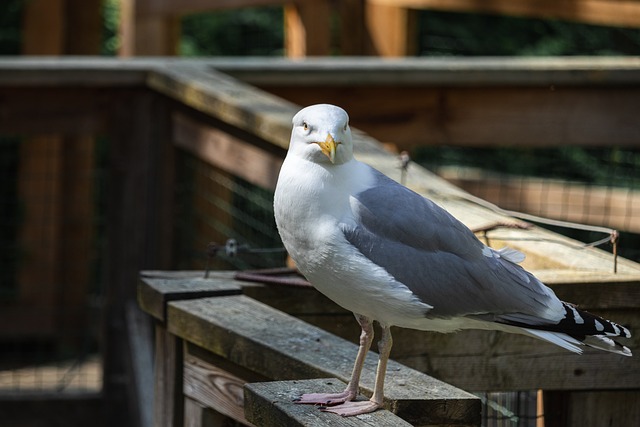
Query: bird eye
point(305, 126)
point(346, 125)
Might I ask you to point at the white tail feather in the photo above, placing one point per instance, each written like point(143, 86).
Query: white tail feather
point(557, 338)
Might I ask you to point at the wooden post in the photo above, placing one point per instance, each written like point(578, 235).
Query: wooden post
point(43, 27)
point(139, 152)
point(353, 39)
point(144, 33)
point(391, 30)
point(55, 182)
point(40, 187)
point(307, 28)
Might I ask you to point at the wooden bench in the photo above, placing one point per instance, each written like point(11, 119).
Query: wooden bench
point(211, 340)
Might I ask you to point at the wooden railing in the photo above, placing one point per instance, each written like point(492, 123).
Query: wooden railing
point(150, 108)
point(211, 341)
point(366, 27)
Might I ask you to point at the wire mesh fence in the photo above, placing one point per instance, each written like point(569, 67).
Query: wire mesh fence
point(597, 186)
point(49, 294)
point(212, 207)
point(512, 409)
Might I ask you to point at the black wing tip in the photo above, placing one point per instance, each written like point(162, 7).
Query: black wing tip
point(578, 322)
point(605, 343)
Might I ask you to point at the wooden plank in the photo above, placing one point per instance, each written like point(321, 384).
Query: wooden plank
point(147, 34)
point(48, 72)
point(43, 27)
point(469, 359)
point(592, 408)
point(227, 152)
point(163, 7)
point(444, 72)
point(335, 71)
point(483, 360)
point(83, 27)
point(353, 40)
point(133, 243)
point(600, 12)
point(307, 28)
point(564, 200)
point(168, 407)
point(214, 388)
point(484, 117)
point(40, 192)
point(271, 405)
point(392, 30)
point(228, 100)
point(75, 254)
point(278, 346)
point(48, 111)
point(62, 27)
point(154, 292)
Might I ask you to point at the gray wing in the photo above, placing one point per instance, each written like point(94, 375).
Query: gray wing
point(439, 258)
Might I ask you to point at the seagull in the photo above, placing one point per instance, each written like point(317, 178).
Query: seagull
point(391, 256)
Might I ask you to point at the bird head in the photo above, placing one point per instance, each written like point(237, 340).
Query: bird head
point(321, 134)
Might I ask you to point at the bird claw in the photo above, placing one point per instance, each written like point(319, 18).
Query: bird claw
point(350, 409)
point(324, 399)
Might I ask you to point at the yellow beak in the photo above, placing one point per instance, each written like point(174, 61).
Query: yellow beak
point(328, 147)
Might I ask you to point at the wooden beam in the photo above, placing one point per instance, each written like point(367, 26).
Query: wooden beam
point(624, 13)
point(144, 34)
point(272, 405)
point(83, 27)
point(353, 41)
point(227, 152)
point(591, 408)
point(223, 98)
point(43, 27)
point(307, 28)
point(157, 289)
point(257, 337)
point(62, 27)
point(168, 405)
point(617, 208)
point(481, 360)
point(214, 387)
point(40, 191)
point(135, 224)
point(391, 30)
point(184, 7)
point(482, 117)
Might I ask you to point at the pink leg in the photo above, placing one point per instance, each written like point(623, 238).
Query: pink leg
point(328, 399)
point(349, 409)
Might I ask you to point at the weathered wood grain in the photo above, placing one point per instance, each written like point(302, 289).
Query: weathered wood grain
point(482, 116)
point(482, 360)
point(227, 152)
point(214, 387)
point(272, 405)
point(155, 292)
point(278, 346)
